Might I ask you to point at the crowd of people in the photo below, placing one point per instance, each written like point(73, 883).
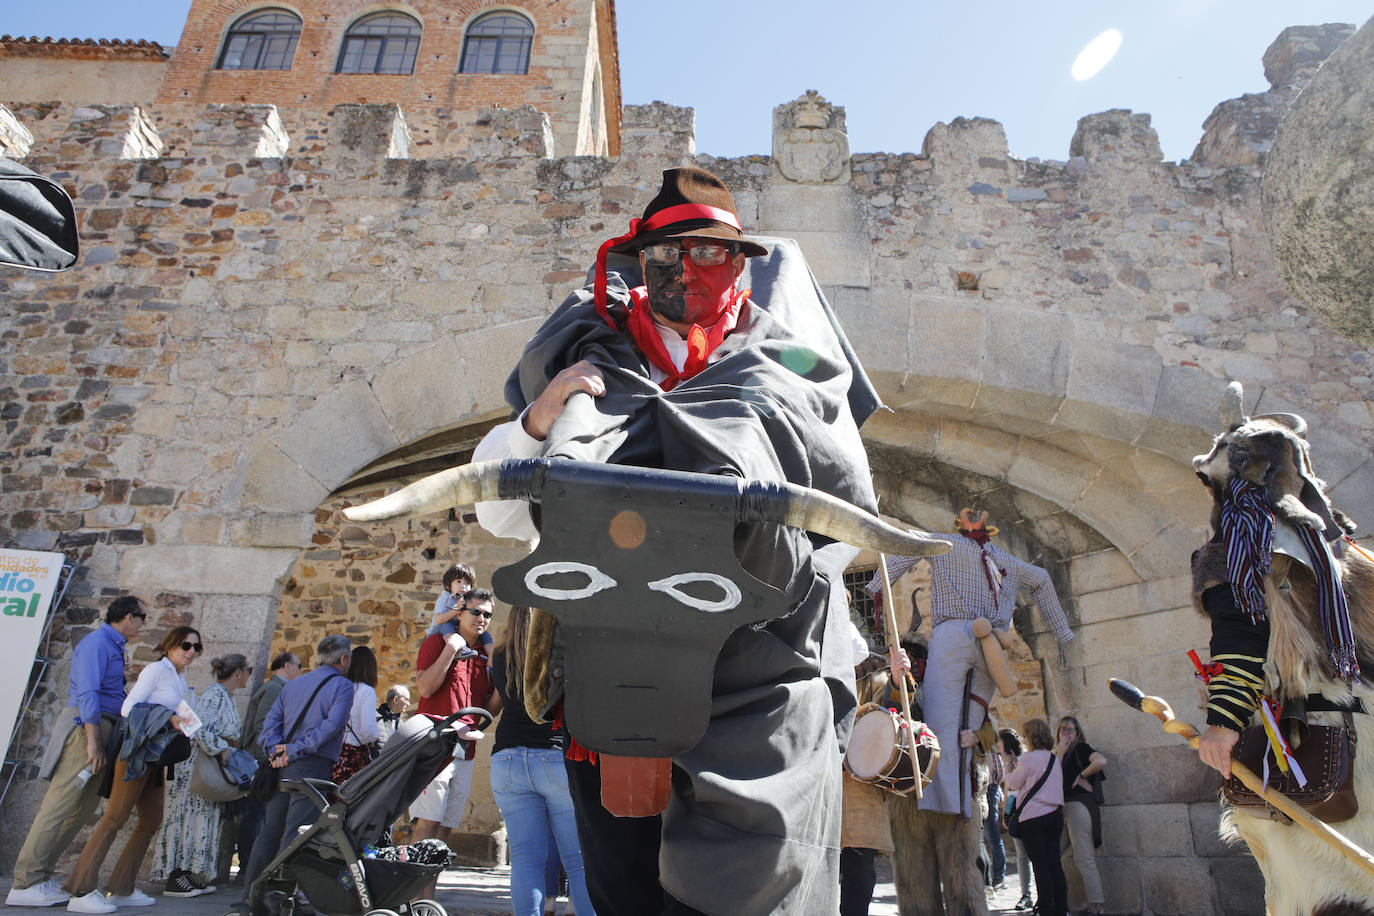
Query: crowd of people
point(138, 748)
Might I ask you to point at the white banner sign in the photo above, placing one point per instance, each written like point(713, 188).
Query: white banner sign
point(28, 581)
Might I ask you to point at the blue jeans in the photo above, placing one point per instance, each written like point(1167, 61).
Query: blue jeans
point(530, 786)
point(993, 837)
point(284, 815)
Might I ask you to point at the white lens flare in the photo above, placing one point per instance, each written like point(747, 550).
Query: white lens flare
point(1097, 54)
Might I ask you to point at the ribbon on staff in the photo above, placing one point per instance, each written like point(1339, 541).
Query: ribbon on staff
point(1278, 746)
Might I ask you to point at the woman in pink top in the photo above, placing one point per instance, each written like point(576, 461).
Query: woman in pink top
point(1042, 815)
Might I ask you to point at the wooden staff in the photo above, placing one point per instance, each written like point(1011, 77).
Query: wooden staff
point(890, 628)
point(1161, 710)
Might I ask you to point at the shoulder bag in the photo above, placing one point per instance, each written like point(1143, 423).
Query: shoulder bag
point(216, 781)
point(267, 779)
point(1014, 818)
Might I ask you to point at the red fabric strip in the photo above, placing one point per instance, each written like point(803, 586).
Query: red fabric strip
point(683, 212)
point(701, 342)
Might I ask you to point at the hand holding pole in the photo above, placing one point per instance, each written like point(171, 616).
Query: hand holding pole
point(1160, 709)
point(890, 627)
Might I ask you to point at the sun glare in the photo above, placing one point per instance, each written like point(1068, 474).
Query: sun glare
point(1098, 53)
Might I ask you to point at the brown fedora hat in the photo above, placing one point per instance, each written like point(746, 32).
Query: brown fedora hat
point(692, 202)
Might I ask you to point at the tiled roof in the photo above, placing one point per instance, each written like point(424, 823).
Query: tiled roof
point(105, 48)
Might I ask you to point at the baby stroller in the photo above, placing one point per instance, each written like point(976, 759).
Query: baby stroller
point(327, 860)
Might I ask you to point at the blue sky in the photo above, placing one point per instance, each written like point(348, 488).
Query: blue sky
point(897, 66)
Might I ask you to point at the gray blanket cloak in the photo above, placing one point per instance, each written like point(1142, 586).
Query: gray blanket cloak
point(753, 824)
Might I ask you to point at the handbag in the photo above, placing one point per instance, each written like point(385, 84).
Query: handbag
point(267, 780)
point(216, 781)
point(1327, 758)
point(1014, 818)
point(177, 749)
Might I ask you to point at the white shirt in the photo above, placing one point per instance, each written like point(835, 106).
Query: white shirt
point(159, 683)
point(510, 518)
point(362, 719)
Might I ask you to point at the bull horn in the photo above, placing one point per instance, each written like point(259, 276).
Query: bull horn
point(458, 486)
point(834, 518)
point(1294, 422)
point(1232, 407)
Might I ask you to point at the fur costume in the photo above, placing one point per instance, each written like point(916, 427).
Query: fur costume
point(1284, 651)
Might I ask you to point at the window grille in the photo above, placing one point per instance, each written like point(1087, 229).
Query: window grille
point(497, 43)
point(381, 43)
point(863, 608)
point(264, 40)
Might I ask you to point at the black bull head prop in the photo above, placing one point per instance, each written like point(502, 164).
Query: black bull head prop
point(639, 568)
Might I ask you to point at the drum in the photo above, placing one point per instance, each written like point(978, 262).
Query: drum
point(880, 751)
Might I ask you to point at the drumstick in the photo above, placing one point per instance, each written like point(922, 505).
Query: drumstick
point(890, 625)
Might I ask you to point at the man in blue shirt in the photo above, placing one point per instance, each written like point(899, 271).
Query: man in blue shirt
point(320, 700)
point(78, 753)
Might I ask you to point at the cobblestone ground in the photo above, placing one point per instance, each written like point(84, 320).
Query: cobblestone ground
point(486, 892)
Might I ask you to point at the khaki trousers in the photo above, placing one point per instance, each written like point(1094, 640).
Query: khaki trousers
point(1078, 836)
point(125, 797)
point(65, 809)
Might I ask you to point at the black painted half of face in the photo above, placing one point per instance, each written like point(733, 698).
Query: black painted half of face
point(667, 294)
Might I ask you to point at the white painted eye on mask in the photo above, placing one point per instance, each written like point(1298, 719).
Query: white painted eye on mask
point(597, 581)
point(729, 600)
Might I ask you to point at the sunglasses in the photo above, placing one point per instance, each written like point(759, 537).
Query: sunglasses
point(485, 615)
point(192, 647)
point(703, 254)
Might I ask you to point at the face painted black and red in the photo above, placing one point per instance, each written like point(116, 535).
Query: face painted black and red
point(683, 284)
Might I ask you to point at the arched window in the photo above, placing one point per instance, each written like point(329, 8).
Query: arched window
point(262, 40)
point(381, 43)
point(497, 43)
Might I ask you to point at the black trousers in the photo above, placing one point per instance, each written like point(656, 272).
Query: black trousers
point(1040, 836)
point(858, 876)
point(619, 854)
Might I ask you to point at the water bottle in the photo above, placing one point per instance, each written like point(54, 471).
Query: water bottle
point(370, 852)
point(80, 779)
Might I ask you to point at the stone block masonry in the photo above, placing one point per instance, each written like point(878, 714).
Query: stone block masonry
point(272, 300)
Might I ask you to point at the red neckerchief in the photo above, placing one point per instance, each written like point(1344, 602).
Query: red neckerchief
point(701, 342)
point(994, 575)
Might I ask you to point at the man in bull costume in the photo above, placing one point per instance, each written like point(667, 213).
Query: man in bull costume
point(699, 476)
point(687, 372)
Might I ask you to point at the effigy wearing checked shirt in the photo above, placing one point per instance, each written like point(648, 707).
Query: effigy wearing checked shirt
point(959, 588)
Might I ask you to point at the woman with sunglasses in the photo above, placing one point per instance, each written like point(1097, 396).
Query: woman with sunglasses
point(187, 849)
point(162, 684)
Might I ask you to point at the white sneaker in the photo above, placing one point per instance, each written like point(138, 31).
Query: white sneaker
point(137, 898)
point(49, 893)
point(94, 902)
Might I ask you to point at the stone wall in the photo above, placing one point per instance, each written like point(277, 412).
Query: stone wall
point(263, 314)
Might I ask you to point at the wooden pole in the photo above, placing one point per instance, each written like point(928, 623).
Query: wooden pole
point(1160, 709)
point(890, 627)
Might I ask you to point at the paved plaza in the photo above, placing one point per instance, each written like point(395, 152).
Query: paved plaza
point(486, 892)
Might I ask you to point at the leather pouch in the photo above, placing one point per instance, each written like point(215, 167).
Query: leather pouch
point(1327, 758)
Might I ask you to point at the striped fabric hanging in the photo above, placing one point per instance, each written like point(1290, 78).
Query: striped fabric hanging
point(1247, 527)
point(1331, 605)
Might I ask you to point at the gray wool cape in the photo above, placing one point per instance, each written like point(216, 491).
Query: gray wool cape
point(753, 824)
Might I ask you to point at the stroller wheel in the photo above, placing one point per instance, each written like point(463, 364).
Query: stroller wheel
point(426, 907)
point(382, 912)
